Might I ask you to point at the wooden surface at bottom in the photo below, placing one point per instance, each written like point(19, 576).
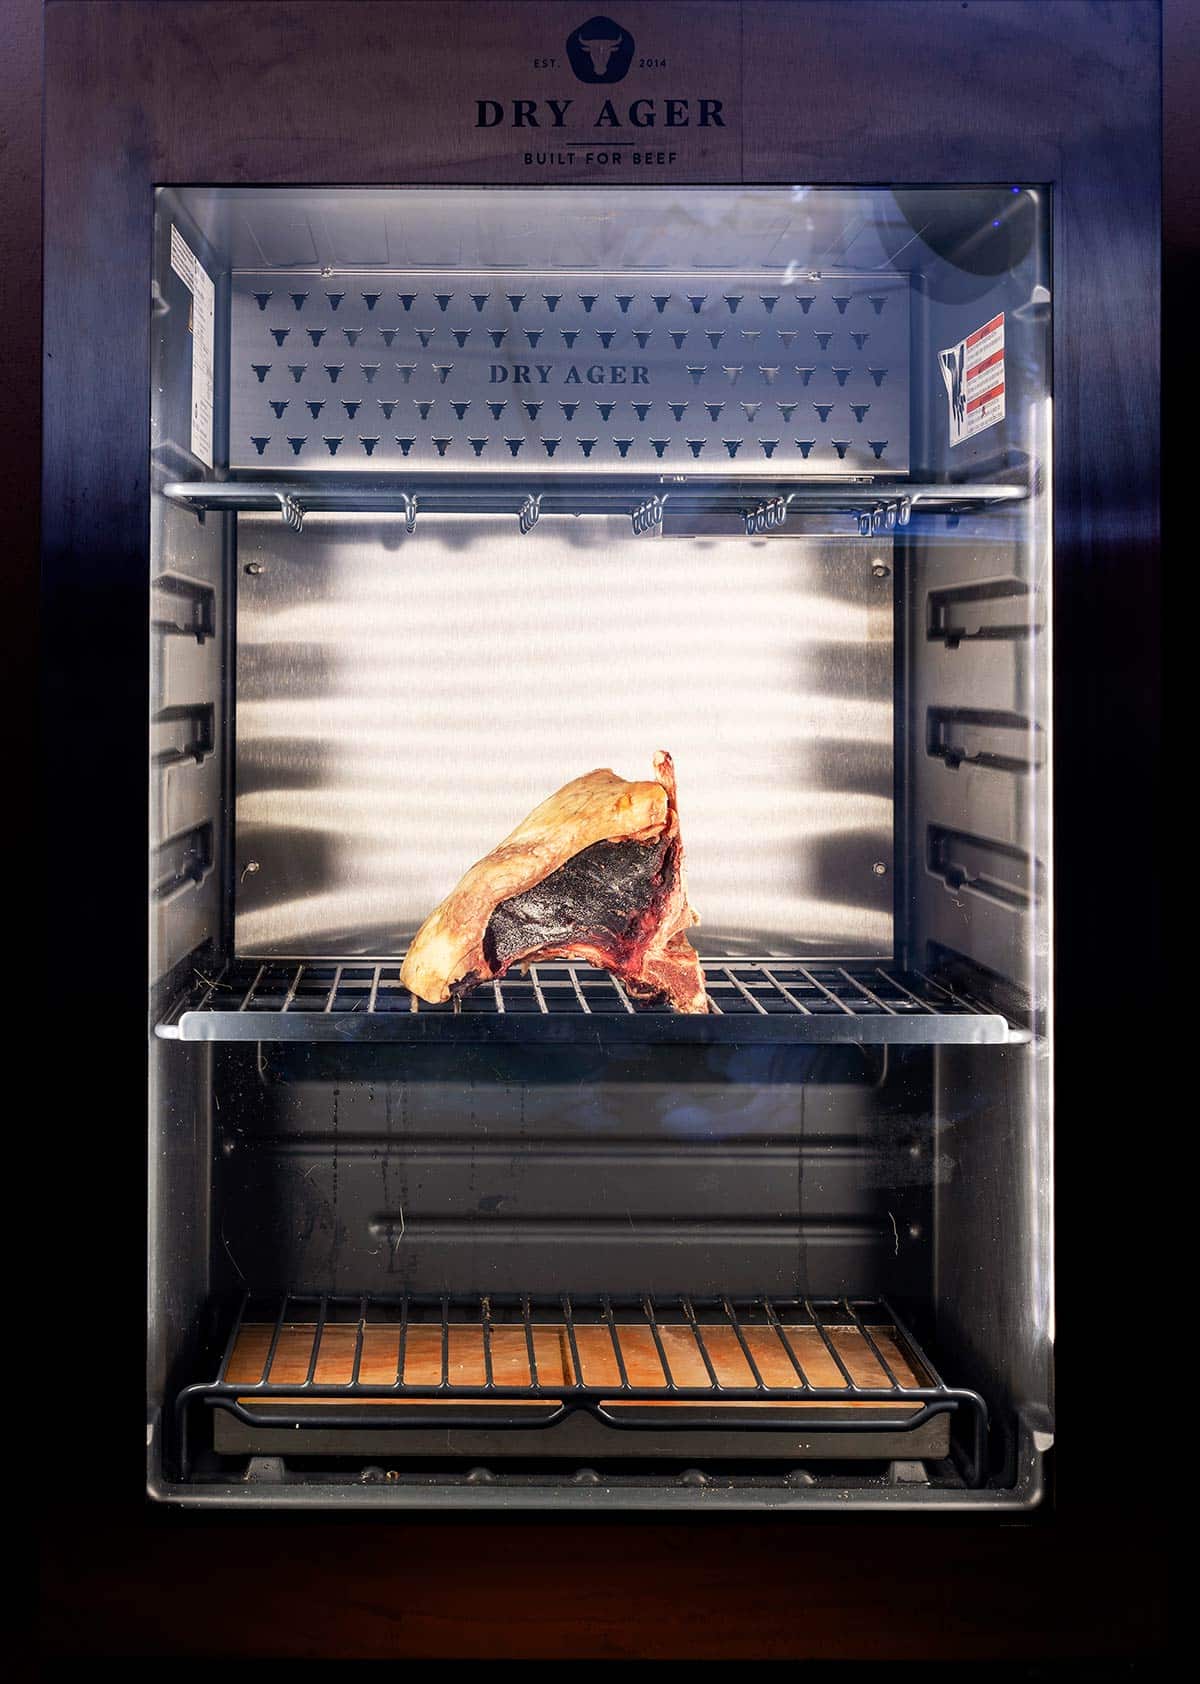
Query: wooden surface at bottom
point(465, 1364)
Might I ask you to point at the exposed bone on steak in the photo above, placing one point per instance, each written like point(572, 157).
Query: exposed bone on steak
point(594, 874)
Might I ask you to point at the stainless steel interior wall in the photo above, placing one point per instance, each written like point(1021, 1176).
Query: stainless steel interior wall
point(518, 1169)
point(404, 700)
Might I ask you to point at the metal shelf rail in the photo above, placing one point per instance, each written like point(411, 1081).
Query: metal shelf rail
point(760, 506)
point(752, 1000)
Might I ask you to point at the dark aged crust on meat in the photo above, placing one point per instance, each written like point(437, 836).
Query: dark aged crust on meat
point(595, 874)
point(609, 896)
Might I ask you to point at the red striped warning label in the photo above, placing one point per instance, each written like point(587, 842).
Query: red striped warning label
point(973, 374)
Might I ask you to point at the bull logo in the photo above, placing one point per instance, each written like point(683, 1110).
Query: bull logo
point(600, 50)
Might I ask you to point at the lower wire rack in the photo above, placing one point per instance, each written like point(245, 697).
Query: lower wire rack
point(718, 1362)
point(760, 999)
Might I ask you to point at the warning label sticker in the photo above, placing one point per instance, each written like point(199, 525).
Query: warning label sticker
point(193, 274)
point(973, 371)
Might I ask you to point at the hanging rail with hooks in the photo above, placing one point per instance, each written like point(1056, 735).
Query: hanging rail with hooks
point(869, 507)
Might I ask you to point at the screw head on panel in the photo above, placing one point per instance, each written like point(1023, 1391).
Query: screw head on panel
point(879, 868)
point(254, 568)
point(880, 570)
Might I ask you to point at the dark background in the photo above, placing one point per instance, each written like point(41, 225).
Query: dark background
point(1083, 1579)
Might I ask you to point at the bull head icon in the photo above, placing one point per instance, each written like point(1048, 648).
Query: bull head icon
point(600, 50)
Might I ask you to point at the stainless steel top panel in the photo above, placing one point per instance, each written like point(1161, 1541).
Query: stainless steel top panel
point(704, 373)
point(785, 230)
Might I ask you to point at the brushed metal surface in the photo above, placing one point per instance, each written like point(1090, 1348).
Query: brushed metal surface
point(453, 370)
point(578, 1168)
point(404, 700)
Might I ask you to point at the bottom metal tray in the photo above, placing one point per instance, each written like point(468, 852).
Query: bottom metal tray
point(601, 1377)
point(580, 1438)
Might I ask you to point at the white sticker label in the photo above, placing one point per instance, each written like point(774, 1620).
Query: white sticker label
point(973, 371)
point(198, 282)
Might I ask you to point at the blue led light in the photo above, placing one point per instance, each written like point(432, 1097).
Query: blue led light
point(995, 225)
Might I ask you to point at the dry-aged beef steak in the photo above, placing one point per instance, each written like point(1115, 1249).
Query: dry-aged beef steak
point(593, 874)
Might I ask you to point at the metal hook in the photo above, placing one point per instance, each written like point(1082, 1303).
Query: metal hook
point(768, 516)
point(904, 511)
point(649, 514)
point(410, 512)
point(527, 514)
point(293, 514)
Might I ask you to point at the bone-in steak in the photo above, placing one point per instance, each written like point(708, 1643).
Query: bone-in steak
point(594, 874)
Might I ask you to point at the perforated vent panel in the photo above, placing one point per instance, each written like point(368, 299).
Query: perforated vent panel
point(703, 374)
